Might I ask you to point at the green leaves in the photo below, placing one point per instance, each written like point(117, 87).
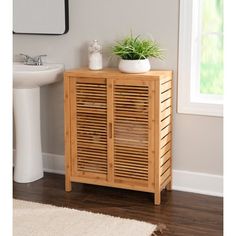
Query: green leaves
point(131, 48)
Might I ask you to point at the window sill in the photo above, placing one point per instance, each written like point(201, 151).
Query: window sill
point(197, 108)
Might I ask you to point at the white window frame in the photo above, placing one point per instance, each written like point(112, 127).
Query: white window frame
point(190, 100)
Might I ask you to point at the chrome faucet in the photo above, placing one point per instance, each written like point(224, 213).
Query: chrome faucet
point(38, 59)
point(33, 60)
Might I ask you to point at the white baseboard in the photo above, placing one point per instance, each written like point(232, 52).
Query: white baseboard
point(186, 181)
point(53, 163)
point(196, 182)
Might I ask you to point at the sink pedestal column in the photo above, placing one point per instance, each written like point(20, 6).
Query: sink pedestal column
point(28, 161)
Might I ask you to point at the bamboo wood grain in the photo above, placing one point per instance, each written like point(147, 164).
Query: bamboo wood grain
point(157, 194)
point(120, 129)
point(166, 183)
point(90, 176)
point(166, 78)
point(67, 133)
point(110, 127)
point(165, 140)
point(87, 103)
point(126, 95)
point(165, 113)
point(165, 131)
point(165, 95)
point(165, 104)
point(166, 86)
point(114, 73)
point(151, 138)
point(169, 185)
point(165, 122)
point(165, 167)
point(73, 115)
point(138, 185)
point(165, 158)
point(165, 175)
point(165, 149)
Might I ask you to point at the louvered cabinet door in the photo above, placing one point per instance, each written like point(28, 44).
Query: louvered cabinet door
point(133, 133)
point(89, 128)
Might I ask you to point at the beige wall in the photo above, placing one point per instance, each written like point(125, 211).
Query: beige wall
point(198, 140)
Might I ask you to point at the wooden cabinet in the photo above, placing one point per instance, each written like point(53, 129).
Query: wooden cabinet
point(118, 129)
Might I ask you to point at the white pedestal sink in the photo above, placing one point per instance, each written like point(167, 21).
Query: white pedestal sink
point(27, 80)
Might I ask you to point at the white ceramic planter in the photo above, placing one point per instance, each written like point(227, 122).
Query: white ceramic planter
point(134, 66)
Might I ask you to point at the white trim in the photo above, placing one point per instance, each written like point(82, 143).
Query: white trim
point(196, 182)
point(195, 52)
point(200, 108)
point(187, 103)
point(53, 163)
point(184, 65)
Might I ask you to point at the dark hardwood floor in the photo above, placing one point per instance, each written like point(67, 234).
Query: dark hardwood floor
point(182, 213)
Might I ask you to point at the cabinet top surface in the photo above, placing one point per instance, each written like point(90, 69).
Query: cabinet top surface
point(113, 72)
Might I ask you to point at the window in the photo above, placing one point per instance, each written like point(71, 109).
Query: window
point(200, 78)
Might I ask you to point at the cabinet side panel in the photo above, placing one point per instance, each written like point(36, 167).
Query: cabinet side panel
point(157, 195)
point(165, 139)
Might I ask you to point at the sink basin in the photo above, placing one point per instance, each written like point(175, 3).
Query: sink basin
point(28, 76)
point(27, 80)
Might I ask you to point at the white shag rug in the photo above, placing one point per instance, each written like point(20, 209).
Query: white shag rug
point(35, 219)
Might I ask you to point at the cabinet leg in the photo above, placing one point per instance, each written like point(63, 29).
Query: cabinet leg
point(169, 186)
point(68, 185)
point(157, 198)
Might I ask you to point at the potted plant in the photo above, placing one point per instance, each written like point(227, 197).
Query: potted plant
point(134, 53)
